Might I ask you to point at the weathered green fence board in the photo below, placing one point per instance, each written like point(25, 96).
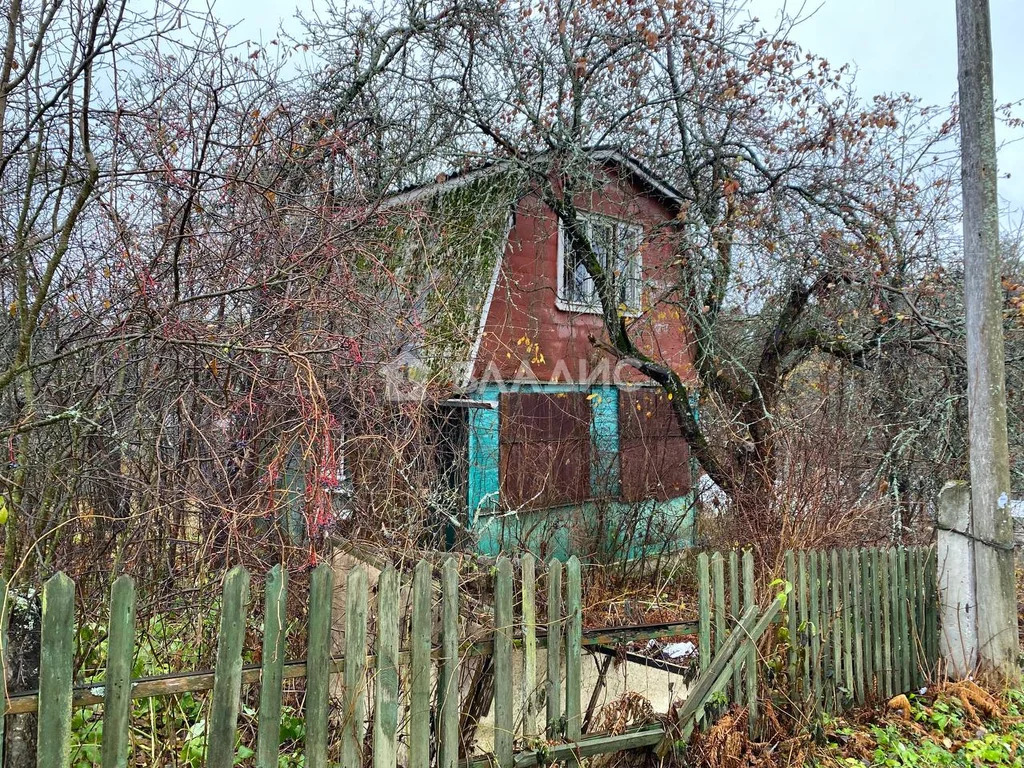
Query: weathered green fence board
point(503, 622)
point(227, 685)
point(803, 600)
point(554, 649)
point(886, 623)
point(573, 658)
point(448, 675)
point(791, 615)
point(56, 652)
point(703, 610)
point(747, 630)
point(354, 713)
point(837, 628)
point(931, 611)
point(908, 620)
point(268, 735)
point(718, 595)
point(824, 572)
point(385, 707)
point(899, 632)
point(420, 667)
point(913, 587)
point(865, 599)
point(920, 639)
point(814, 581)
point(858, 628)
point(117, 682)
point(318, 655)
point(750, 601)
point(925, 669)
point(5, 613)
point(529, 600)
point(734, 615)
point(876, 625)
point(846, 560)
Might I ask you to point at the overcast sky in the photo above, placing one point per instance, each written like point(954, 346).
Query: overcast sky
point(896, 46)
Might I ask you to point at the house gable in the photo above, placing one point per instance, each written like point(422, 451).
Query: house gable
point(533, 332)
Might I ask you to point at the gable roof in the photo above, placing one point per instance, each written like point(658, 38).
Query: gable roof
point(449, 239)
point(632, 168)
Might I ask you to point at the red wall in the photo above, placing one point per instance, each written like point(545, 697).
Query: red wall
point(524, 326)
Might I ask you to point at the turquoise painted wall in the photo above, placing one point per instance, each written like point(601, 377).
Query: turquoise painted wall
point(550, 532)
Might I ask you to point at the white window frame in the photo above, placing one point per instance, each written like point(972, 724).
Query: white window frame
point(633, 307)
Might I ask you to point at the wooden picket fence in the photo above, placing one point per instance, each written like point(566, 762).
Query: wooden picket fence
point(861, 624)
point(561, 635)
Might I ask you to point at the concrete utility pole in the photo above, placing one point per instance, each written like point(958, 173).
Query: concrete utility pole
point(992, 528)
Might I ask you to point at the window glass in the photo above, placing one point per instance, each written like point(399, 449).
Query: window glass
point(616, 246)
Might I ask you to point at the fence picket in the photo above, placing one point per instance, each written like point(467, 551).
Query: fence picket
point(858, 627)
point(824, 574)
point(353, 726)
point(117, 681)
point(912, 623)
point(703, 611)
point(876, 626)
point(907, 620)
point(420, 666)
point(931, 613)
point(529, 599)
point(805, 624)
point(837, 627)
point(921, 561)
point(554, 649)
point(791, 615)
point(749, 601)
point(898, 628)
point(718, 595)
point(846, 557)
point(734, 617)
point(5, 612)
point(503, 722)
point(227, 682)
point(573, 649)
point(318, 656)
point(56, 652)
point(865, 641)
point(448, 677)
point(919, 618)
point(886, 604)
point(814, 580)
point(268, 735)
point(385, 705)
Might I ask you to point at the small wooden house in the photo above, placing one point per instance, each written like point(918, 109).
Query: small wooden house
point(559, 446)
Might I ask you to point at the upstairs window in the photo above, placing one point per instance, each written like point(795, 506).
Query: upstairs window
point(544, 449)
point(616, 245)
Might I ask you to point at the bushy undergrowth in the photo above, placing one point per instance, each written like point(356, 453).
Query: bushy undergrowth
point(956, 724)
point(172, 730)
point(959, 724)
